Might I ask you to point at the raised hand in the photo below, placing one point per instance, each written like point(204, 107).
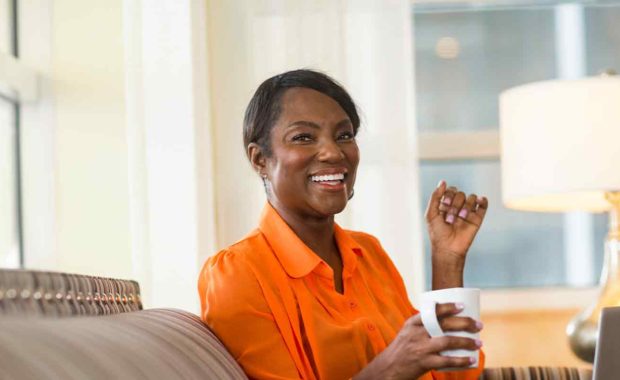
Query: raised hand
point(453, 220)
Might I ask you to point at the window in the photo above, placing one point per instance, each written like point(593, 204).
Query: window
point(466, 54)
point(10, 228)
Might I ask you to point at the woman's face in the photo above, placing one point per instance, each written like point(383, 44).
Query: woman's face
point(314, 157)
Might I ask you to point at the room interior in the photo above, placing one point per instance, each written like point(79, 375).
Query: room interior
point(121, 153)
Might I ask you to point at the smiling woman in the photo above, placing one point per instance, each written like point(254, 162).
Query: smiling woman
point(300, 297)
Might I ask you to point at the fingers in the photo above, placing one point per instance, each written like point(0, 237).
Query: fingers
point(445, 343)
point(458, 200)
point(474, 211)
point(450, 342)
point(446, 200)
point(456, 207)
point(446, 314)
point(434, 204)
point(467, 212)
point(438, 362)
point(460, 209)
point(419, 351)
point(461, 324)
point(444, 310)
point(482, 203)
point(451, 200)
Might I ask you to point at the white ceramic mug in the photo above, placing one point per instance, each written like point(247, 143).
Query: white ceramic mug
point(469, 297)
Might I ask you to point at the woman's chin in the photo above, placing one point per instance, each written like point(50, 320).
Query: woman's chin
point(330, 207)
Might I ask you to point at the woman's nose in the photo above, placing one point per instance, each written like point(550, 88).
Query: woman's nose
point(330, 151)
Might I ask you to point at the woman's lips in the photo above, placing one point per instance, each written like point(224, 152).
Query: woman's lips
point(333, 181)
point(330, 185)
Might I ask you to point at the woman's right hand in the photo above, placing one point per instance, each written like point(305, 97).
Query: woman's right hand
point(413, 352)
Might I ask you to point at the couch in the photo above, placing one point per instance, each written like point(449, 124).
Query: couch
point(67, 326)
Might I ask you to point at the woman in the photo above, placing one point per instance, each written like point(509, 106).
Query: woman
point(302, 298)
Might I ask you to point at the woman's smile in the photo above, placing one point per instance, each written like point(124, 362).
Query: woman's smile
point(330, 180)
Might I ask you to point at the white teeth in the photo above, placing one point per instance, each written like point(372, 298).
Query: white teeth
point(330, 177)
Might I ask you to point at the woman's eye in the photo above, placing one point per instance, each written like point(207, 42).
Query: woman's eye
point(303, 137)
point(346, 136)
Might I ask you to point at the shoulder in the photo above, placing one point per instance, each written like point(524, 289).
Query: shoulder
point(231, 271)
point(238, 256)
point(246, 266)
point(225, 272)
point(228, 286)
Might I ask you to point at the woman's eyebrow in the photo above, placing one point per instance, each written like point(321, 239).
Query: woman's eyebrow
point(305, 123)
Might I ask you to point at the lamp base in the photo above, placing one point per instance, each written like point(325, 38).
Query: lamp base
point(582, 334)
point(583, 330)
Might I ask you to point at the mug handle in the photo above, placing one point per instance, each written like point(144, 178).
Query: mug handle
point(428, 313)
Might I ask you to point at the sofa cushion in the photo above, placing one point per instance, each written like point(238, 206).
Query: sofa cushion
point(150, 344)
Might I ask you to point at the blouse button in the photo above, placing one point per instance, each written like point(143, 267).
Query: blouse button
point(371, 327)
point(353, 304)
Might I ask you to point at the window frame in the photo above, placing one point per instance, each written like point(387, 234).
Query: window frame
point(485, 144)
point(17, 85)
point(19, 82)
point(22, 80)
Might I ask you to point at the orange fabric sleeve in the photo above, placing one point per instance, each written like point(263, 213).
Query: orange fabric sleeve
point(235, 308)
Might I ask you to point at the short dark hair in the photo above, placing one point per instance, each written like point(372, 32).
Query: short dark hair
point(264, 108)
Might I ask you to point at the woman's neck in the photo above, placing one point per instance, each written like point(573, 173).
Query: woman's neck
point(316, 233)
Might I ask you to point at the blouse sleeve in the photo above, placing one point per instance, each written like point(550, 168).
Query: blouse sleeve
point(234, 307)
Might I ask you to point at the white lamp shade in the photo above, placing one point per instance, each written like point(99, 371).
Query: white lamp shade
point(560, 143)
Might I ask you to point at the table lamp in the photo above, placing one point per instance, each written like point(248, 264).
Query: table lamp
point(560, 144)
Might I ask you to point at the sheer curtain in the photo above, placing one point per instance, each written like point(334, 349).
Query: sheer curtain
point(365, 44)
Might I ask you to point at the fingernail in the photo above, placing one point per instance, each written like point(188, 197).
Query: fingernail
point(479, 199)
point(478, 343)
point(447, 201)
point(450, 218)
point(440, 183)
point(472, 360)
point(479, 325)
point(459, 305)
point(463, 213)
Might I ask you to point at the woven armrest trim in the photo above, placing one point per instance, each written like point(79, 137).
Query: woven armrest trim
point(536, 373)
point(41, 293)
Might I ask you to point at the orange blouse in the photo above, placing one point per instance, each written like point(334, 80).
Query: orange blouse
point(272, 302)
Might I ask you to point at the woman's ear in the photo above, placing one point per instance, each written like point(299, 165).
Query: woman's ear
point(257, 158)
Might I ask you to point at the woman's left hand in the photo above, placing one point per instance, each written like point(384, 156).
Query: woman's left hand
point(453, 220)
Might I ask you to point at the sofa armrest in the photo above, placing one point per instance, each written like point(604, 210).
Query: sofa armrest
point(149, 344)
point(536, 373)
